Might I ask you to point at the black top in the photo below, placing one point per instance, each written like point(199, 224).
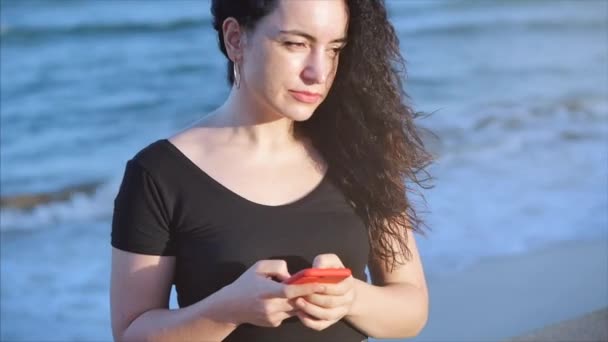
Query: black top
point(167, 205)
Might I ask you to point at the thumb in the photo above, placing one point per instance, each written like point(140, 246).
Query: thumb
point(327, 261)
point(282, 276)
point(273, 269)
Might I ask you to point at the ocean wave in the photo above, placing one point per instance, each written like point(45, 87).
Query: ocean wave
point(91, 29)
point(510, 128)
point(435, 26)
point(30, 201)
point(3, 30)
point(512, 117)
point(80, 203)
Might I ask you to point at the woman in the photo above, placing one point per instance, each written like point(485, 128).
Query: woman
point(304, 165)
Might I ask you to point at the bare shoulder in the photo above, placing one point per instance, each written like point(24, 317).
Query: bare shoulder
point(191, 139)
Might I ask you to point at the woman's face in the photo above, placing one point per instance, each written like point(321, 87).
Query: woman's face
point(291, 57)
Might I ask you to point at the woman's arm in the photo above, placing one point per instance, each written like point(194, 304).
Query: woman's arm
point(140, 290)
point(396, 306)
point(185, 324)
point(390, 311)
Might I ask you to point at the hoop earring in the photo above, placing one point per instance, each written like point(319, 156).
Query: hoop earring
point(237, 75)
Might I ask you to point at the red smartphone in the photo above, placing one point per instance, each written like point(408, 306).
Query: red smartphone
point(319, 275)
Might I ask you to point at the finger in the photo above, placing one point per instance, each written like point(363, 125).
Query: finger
point(299, 290)
point(320, 312)
point(327, 261)
point(328, 302)
point(338, 289)
point(292, 291)
point(280, 316)
point(272, 268)
point(280, 305)
point(276, 319)
point(313, 323)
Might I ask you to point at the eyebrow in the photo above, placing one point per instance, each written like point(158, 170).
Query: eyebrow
point(309, 37)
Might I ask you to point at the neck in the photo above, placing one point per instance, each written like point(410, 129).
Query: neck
point(252, 125)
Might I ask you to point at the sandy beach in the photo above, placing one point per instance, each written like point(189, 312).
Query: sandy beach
point(590, 327)
point(502, 298)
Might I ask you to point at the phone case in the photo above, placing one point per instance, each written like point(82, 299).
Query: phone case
point(319, 275)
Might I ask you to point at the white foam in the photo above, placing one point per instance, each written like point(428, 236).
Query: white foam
point(79, 208)
point(505, 190)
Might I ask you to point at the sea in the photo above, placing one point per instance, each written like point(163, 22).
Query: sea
point(516, 91)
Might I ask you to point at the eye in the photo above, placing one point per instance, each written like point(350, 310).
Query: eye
point(295, 44)
point(335, 51)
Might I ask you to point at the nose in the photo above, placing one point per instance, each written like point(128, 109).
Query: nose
point(317, 68)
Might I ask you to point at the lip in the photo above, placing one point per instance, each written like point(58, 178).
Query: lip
point(304, 96)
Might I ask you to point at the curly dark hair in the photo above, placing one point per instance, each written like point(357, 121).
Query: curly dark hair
point(364, 128)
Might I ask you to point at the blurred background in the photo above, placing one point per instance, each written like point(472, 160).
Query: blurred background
point(519, 91)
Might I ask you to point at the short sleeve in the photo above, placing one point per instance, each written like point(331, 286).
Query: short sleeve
point(140, 222)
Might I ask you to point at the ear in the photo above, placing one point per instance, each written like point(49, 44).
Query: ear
point(233, 39)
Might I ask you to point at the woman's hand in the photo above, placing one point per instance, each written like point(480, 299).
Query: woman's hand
point(324, 308)
point(255, 298)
